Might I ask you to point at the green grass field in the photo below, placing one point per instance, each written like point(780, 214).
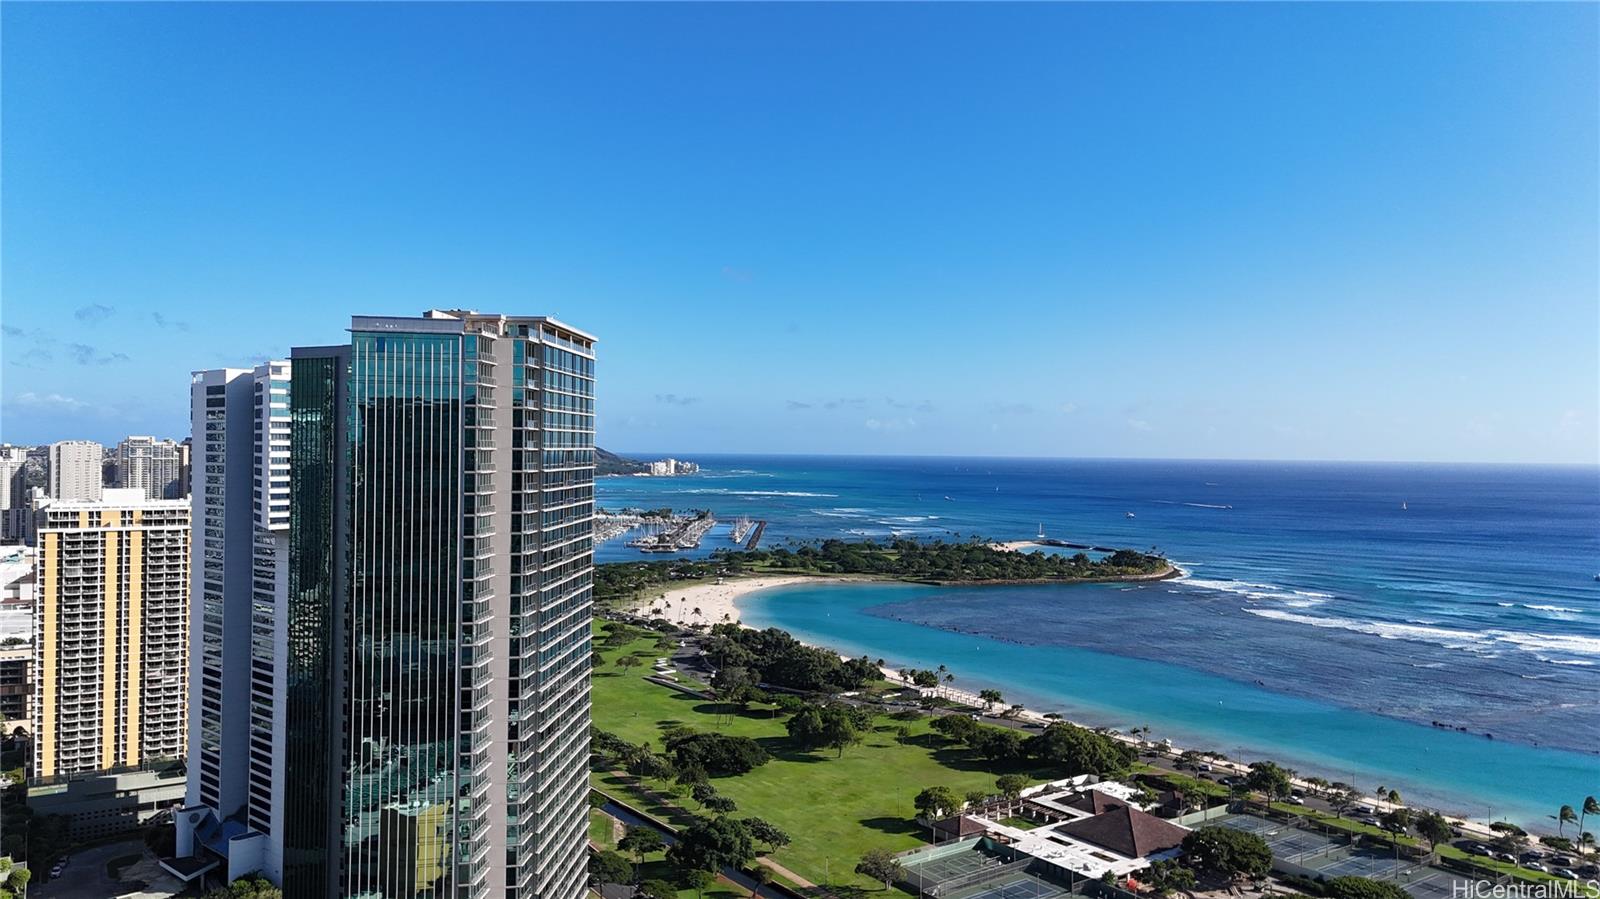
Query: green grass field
point(834, 809)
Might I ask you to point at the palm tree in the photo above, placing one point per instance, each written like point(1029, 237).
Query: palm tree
point(1590, 807)
point(1394, 798)
point(1564, 817)
point(1382, 792)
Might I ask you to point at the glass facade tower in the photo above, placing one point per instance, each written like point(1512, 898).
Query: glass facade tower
point(441, 559)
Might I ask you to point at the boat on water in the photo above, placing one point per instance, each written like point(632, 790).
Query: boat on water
point(948, 500)
point(1130, 515)
point(1403, 505)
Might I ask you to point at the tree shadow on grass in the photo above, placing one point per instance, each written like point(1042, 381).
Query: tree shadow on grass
point(888, 824)
point(841, 891)
point(781, 748)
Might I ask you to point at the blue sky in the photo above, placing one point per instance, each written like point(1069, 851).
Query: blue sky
point(1305, 231)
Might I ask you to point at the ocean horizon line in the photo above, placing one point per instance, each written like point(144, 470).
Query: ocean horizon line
point(694, 455)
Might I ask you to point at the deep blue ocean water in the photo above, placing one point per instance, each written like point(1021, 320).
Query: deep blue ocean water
point(1331, 614)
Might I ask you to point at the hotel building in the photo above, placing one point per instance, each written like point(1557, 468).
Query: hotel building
point(109, 633)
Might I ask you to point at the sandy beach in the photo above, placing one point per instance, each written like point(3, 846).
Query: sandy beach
point(716, 602)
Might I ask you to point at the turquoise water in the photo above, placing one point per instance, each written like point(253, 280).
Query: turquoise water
point(1332, 614)
point(1463, 773)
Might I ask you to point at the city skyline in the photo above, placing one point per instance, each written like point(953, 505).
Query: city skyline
point(1043, 231)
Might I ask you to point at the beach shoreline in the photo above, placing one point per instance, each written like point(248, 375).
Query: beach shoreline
point(719, 602)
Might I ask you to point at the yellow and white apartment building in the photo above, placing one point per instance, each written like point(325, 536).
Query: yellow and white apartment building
point(110, 633)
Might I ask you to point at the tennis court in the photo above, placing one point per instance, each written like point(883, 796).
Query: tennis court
point(1361, 865)
point(1023, 886)
point(1286, 841)
point(1431, 883)
point(955, 867)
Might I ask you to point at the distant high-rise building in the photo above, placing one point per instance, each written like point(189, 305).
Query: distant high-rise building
point(14, 510)
point(151, 465)
point(110, 621)
point(185, 469)
point(76, 471)
point(431, 642)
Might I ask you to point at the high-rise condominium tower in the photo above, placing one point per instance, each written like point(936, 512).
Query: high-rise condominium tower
point(109, 633)
point(151, 465)
point(77, 470)
point(240, 425)
point(431, 656)
point(461, 465)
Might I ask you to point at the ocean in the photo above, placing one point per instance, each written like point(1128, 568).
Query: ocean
point(1434, 628)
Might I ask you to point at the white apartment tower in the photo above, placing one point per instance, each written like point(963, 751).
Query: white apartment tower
point(240, 501)
point(76, 471)
point(151, 465)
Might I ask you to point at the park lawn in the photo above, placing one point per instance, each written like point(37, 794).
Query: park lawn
point(833, 808)
point(600, 832)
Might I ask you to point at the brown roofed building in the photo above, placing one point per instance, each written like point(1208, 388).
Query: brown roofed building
point(1094, 802)
point(1127, 832)
point(958, 826)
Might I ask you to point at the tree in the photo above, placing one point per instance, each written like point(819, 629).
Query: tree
point(657, 889)
point(247, 888)
point(711, 844)
point(735, 684)
point(990, 698)
point(1010, 785)
point(722, 805)
point(976, 798)
point(1432, 826)
point(697, 880)
point(718, 754)
point(1351, 887)
point(1396, 821)
point(702, 793)
point(1165, 877)
point(1566, 816)
point(880, 865)
point(1342, 798)
point(1590, 806)
point(999, 744)
point(1270, 780)
point(13, 879)
point(1228, 852)
point(627, 661)
point(764, 832)
point(1080, 750)
point(936, 802)
point(609, 867)
point(762, 875)
point(958, 728)
point(641, 841)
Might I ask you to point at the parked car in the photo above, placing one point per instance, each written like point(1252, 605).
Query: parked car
point(1562, 861)
point(1565, 872)
point(1590, 870)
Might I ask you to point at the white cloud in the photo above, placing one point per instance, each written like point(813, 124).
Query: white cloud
point(890, 424)
point(1139, 424)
